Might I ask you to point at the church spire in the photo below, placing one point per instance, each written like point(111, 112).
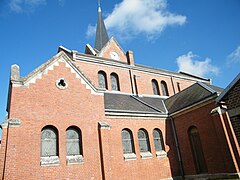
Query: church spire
point(101, 32)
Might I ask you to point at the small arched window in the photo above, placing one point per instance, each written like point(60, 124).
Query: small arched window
point(164, 88)
point(155, 87)
point(115, 82)
point(73, 141)
point(49, 141)
point(102, 80)
point(127, 141)
point(197, 152)
point(158, 140)
point(178, 86)
point(143, 140)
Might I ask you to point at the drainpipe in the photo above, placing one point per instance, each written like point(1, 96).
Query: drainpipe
point(132, 81)
point(5, 154)
point(135, 83)
point(177, 147)
point(173, 85)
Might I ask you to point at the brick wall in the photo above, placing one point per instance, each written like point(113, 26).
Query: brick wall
point(144, 79)
point(42, 103)
point(216, 150)
point(233, 97)
point(232, 100)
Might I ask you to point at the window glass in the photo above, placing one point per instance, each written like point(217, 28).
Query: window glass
point(114, 82)
point(164, 88)
point(127, 141)
point(73, 141)
point(197, 151)
point(102, 80)
point(143, 140)
point(49, 142)
point(155, 87)
point(158, 140)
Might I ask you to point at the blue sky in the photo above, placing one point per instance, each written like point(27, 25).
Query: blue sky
point(201, 37)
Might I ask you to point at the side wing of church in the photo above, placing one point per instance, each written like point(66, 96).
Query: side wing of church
point(98, 115)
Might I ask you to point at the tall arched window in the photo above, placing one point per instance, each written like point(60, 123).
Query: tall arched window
point(197, 151)
point(127, 141)
point(155, 87)
point(164, 88)
point(73, 141)
point(143, 140)
point(102, 80)
point(49, 141)
point(158, 140)
point(115, 82)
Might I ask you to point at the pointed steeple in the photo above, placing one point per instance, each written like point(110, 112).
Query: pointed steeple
point(101, 32)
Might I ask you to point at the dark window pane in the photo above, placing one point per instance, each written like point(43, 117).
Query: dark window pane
point(197, 151)
point(48, 142)
point(155, 87)
point(114, 82)
point(158, 140)
point(127, 142)
point(164, 88)
point(102, 81)
point(73, 141)
point(143, 141)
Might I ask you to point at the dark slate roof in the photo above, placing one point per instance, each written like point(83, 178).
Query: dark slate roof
point(215, 88)
point(189, 96)
point(101, 32)
point(133, 104)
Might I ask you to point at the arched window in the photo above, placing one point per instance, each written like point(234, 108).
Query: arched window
point(115, 82)
point(127, 141)
point(49, 141)
point(178, 86)
point(164, 88)
point(143, 140)
point(158, 140)
point(102, 80)
point(73, 141)
point(197, 151)
point(155, 87)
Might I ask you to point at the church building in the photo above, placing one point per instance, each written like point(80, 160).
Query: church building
point(99, 115)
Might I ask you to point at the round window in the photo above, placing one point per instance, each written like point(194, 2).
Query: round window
point(61, 83)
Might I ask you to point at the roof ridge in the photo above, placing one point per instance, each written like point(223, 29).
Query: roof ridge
point(206, 87)
point(154, 108)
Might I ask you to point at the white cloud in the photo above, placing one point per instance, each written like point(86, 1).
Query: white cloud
point(20, 6)
point(234, 57)
point(91, 30)
point(133, 17)
point(188, 63)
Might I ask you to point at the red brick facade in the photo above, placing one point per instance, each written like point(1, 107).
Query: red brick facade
point(36, 102)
